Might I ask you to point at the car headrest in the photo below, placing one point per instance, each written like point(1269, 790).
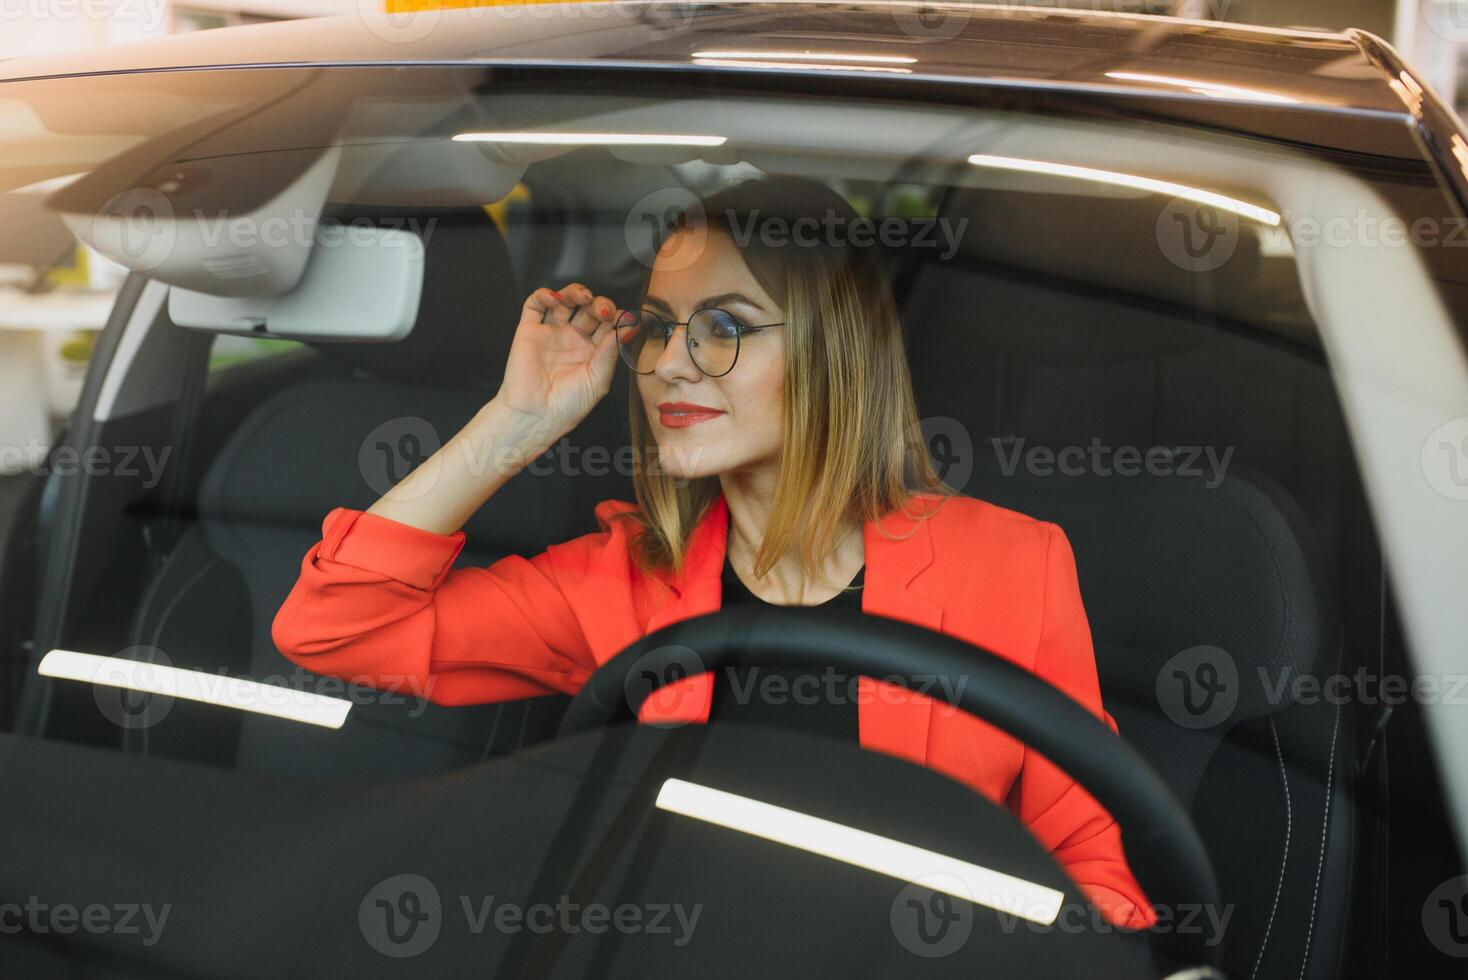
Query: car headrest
point(1173, 562)
point(344, 443)
point(1053, 255)
point(469, 307)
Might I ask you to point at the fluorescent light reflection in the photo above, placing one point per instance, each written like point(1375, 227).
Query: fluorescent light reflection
point(891, 59)
point(970, 882)
point(815, 65)
point(1214, 90)
point(604, 139)
point(1149, 184)
point(239, 693)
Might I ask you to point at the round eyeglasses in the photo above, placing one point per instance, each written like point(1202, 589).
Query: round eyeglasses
point(712, 337)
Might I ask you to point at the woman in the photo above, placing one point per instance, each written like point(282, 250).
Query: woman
point(773, 396)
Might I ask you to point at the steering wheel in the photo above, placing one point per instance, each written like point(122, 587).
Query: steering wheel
point(1163, 847)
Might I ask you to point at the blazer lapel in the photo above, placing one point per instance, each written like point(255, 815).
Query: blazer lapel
point(698, 590)
point(898, 549)
point(896, 553)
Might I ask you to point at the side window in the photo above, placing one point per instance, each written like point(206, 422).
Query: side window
point(515, 216)
point(229, 351)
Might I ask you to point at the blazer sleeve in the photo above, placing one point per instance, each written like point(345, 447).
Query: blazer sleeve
point(1079, 832)
point(378, 602)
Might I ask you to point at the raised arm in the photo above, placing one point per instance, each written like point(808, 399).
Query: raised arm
point(378, 600)
point(560, 365)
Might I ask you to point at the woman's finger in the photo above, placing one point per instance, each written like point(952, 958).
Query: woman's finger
point(573, 296)
point(541, 302)
point(599, 310)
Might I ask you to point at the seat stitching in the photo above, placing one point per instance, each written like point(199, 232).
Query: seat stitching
point(493, 731)
point(1284, 858)
point(524, 726)
point(1324, 829)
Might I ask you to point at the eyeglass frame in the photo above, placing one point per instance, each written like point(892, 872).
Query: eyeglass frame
point(688, 344)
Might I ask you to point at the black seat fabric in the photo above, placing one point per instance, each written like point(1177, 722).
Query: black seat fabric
point(1047, 335)
point(343, 441)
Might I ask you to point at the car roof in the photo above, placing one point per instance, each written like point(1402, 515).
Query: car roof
point(1050, 49)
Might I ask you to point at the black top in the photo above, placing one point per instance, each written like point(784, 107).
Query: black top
point(821, 700)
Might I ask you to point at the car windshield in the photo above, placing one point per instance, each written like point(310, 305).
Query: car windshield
point(260, 299)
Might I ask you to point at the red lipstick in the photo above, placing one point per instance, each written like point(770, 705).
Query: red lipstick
point(680, 415)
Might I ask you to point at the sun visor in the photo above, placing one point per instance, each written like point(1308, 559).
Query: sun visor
point(464, 174)
point(169, 225)
point(361, 283)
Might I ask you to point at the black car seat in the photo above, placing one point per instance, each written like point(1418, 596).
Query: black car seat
point(341, 441)
point(1059, 325)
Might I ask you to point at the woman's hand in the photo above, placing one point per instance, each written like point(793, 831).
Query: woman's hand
point(562, 358)
point(560, 366)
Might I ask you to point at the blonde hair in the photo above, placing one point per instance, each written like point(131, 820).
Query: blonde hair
point(849, 405)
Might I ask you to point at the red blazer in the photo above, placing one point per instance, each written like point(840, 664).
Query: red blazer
point(379, 602)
